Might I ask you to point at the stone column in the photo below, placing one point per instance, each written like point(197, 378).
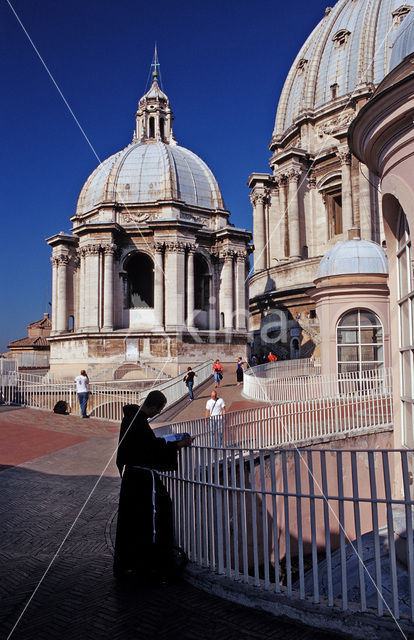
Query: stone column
point(159, 286)
point(282, 226)
point(81, 296)
point(365, 219)
point(226, 297)
point(274, 226)
point(108, 310)
point(92, 280)
point(55, 301)
point(174, 285)
point(345, 158)
point(190, 287)
point(62, 319)
point(293, 213)
point(258, 201)
point(241, 311)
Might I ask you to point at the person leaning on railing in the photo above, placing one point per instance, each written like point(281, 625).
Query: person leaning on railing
point(144, 546)
point(82, 388)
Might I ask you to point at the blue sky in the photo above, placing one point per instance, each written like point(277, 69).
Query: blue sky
point(223, 65)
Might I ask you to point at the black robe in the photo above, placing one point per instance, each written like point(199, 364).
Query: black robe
point(135, 548)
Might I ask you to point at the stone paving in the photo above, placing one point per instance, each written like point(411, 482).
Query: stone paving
point(58, 502)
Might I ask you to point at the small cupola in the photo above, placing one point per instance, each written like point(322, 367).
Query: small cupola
point(154, 117)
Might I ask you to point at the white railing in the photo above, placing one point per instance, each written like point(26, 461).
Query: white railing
point(7, 365)
point(310, 387)
point(315, 525)
point(283, 424)
point(104, 401)
point(286, 368)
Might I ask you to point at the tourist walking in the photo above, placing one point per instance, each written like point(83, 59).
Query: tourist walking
point(189, 381)
point(144, 542)
point(218, 373)
point(82, 387)
point(215, 409)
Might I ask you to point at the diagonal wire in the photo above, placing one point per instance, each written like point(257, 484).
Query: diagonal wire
point(75, 118)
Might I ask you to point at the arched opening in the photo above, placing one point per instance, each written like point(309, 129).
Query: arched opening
point(152, 127)
point(140, 282)
point(201, 292)
point(71, 324)
point(332, 197)
point(162, 128)
point(360, 341)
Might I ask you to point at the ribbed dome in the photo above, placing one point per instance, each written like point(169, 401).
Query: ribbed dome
point(350, 48)
point(404, 42)
point(151, 172)
point(353, 256)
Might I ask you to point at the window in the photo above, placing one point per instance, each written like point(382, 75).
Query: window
point(360, 341)
point(162, 128)
point(405, 289)
point(333, 203)
point(151, 127)
point(399, 14)
point(341, 38)
point(201, 284)
point(334, 90)
point(140, 282)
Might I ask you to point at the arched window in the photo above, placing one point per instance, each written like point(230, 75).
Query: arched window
point(201, 283)
point(405, 296)
point(162, 128)
point(151, 127)
point(140, 281)
point(360, 341)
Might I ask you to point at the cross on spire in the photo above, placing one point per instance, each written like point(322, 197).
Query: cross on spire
point(155, 64)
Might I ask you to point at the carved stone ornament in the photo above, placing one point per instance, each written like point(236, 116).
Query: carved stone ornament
point(61, 260)
point(344, 156)
point(193, 218)
point(175, 247)
point(136, 218)
point(294, 175)
point(312, 181)
point(330, 127)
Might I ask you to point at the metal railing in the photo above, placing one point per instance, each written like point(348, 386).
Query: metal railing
point(286, 368)
point(316, 386)
point(104, 401)
point(283, 424)
point(315, 525)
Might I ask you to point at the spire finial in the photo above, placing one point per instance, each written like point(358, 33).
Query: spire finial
point(155, 63)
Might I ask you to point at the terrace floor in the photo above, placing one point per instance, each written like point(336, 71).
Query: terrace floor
point(58, 504)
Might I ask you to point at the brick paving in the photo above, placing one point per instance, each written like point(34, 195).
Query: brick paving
point(58, 500)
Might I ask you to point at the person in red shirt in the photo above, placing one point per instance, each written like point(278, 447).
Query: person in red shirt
point(272, 357)
point(218, 373)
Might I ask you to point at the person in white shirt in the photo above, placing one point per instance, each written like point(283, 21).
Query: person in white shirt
point(215, 409)
point(82, 387)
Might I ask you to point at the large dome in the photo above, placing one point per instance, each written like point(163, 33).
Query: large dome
point(347, 51)
point(151, 172)
point(404, 42)
point(353, 256)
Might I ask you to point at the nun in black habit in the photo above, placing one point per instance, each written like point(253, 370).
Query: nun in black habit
point(144, 536)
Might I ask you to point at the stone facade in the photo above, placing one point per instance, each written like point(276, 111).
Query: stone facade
point(382, 136)
point(153, 271)
point(317, 190)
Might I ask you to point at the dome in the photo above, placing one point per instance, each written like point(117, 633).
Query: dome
point(404, 42)
point(151, 172)
point(348, 50)
point(353, 256)
point(153, 168)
